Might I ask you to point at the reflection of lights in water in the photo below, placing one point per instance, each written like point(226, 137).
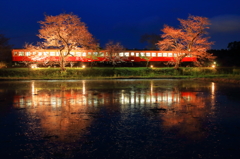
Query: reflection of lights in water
point(151, 87)
point(83, 89)
point(213, 95)
point(32, 87)
point(168, 98)
point(124, 98)
point(34, 91)
point(213, 87)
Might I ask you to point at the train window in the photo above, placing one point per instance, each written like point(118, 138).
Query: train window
point(15, 53)
point(27, 53)
point(72, 53)
point(39, 53)
point(169, 54)
point(127, 54)
point(142, 54)
point(45, 53)
point(153, 54)
point(84, 54)
point(164, 54)
point(89, 53)
point(121, 54)
point(52, 53)
point(21, 54)
point(95, 53)
point(132, 53)
point(57, 53)
point(78, 53)
point(159, 54)
point(148, 54)
point(101, 53)
point(175, 55)
point(34, 53)
point(137, 54)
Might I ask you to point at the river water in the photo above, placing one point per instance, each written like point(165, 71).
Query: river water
point(119, 119)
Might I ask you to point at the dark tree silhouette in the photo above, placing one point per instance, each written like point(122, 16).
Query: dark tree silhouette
point(5, 49)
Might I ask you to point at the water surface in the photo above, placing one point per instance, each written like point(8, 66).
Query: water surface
point(119, 119)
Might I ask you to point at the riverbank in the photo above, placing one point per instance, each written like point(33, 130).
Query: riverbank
point(231, 75)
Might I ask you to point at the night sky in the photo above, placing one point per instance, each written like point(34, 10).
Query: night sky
point(121, 21)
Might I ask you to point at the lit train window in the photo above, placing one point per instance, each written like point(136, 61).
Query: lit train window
point(132, 53)
point(142, 54)
point(15, 53)
point(89, 53)
point(84, 54)
point(78, 53)
point(101, 53)
point(45, 53)
point(121, 54)
point(57, 53)
point(169, 54)
point(153, 54)
point(175, 55)
point(40, 53)
point(148, 54)
point(21, 53)
point(27, 53)
point(72, 53)
point(182, 54)
point(164, 54)
point(126, 53)
point(34, 53)
point(137, 54)
point(52, 53)
point(95, 53)
point(159, 54)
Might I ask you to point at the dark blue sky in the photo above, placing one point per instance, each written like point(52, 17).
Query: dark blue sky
point(121, 20)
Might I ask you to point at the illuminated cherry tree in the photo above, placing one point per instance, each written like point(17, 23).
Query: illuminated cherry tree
point(65, 32)
point(112, 51)
point(189, 40)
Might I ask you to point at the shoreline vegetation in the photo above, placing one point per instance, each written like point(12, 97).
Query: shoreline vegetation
point(229, 75)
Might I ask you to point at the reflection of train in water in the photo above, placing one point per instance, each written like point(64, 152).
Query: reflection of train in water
point(79, 97)
point(20, 55)
point(66, 110)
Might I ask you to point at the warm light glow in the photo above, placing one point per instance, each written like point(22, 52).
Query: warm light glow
point(213, 66)
point(33, 65)
point(83, 66)
point(151, 66)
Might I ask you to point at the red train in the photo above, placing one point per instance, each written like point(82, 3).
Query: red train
point(25, 55)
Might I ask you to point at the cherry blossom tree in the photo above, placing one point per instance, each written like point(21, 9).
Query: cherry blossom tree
point(112, 51)
point(189, 40)
point(65, 32)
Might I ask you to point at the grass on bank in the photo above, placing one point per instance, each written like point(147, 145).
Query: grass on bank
point(118, 72)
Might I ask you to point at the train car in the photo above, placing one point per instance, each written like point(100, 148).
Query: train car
point(25, 55)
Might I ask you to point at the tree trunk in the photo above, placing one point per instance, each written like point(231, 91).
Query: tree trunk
point(147, 64)
point(177, 64)
point(62, 64)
